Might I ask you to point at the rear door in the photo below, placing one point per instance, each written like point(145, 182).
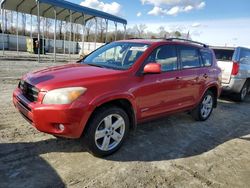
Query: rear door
point(225, 62)
point(189, 80)
point(207, 74)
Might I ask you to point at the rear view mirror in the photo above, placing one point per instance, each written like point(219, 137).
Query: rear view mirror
point(152, 68)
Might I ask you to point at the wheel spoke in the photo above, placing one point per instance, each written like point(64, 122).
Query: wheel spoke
point(116, 136)
point(105, 143)
point(119, 122)
point(110, 132)
point(210, 105)
point(208, 100)
point(203, 111)
point(108, 121)
point(100, 134)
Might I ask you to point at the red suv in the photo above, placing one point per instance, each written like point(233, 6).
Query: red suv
point(118, 86)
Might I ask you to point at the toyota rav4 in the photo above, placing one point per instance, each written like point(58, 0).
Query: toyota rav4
point(118, 86)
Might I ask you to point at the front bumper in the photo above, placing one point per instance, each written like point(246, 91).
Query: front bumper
point(235, 85)
point(47, 118)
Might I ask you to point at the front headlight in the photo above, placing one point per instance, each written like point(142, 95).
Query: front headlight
point(63, 95)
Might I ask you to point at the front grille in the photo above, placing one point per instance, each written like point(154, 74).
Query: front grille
point(29, 91)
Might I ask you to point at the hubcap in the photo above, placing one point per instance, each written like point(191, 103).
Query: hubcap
point(110, 132)
point(207, 106)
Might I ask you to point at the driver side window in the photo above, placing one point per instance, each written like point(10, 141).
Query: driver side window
point(113, 54)
point(165, 55)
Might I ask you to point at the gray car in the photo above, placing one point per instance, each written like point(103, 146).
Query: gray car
point(235, 66)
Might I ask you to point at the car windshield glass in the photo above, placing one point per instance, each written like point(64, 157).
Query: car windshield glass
point(116, 55)
point(224, 55)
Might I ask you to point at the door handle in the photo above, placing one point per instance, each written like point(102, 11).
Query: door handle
point(205, 75)
point(178, 78)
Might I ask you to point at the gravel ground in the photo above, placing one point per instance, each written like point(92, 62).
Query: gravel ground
point(172, 152)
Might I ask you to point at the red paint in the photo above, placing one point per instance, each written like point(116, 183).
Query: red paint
point(151, 95)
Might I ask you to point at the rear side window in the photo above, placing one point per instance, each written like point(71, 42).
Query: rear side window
point(224, 54)
point(189, 57)
point(245, 56)
point(207, 57)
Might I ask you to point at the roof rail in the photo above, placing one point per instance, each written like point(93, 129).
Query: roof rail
point(134, 38)
point(187, 40)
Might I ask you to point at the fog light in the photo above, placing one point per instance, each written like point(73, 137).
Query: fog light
point(61, 127)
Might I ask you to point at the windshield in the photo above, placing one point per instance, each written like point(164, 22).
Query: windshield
point(116, 55)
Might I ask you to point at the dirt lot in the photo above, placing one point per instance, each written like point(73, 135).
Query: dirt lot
point(171, 152)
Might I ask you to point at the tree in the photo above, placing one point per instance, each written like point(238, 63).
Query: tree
point(23, 24)
point(48, 24)
point(140, 29)
point(60, 29)
point(10, 28)
point(162, 32)
point(177, 34)
point(6, 21)
point(101, 28)
point(88, 28)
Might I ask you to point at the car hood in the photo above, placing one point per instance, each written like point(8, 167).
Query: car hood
point(69, 75)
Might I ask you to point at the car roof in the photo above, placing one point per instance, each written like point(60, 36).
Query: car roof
point(166, 41)
point(143, 41)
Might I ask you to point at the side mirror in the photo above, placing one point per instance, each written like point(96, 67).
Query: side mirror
point(152, 68)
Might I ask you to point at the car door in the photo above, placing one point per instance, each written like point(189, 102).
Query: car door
point(159, 93)
point(189, 80)
point(206, 72)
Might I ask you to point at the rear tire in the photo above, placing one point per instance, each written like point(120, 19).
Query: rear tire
point(243, 93)
point(204, 109)
point(107, 130)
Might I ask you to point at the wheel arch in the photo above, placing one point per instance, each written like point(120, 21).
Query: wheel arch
point(124, 103)
point(215, 90)
point(248, 83)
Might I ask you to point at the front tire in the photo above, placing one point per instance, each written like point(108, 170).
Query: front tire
point(107, 131)
point(204, 109)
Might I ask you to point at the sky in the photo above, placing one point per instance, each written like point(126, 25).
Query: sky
point(215, 22)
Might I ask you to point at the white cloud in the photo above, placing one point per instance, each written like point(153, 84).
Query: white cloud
point(112, 8)
point(157, 11)
point(173, 11)
point(194, 3)
point(213, 32)
point(196, 24)
point(201, 5)
point(138, 14)
point(188, 8)
point(160, 2)
point(173, 7)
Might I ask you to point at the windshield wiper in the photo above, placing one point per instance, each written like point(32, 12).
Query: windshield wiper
point(107, 67)
point(95, 65)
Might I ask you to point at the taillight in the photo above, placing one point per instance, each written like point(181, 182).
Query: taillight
point(236, 67)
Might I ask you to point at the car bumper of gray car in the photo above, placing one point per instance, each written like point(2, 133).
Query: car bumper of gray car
point(235, 85)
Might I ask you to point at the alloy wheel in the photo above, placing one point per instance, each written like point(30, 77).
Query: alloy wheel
point(110, 132)
point(207, 106)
